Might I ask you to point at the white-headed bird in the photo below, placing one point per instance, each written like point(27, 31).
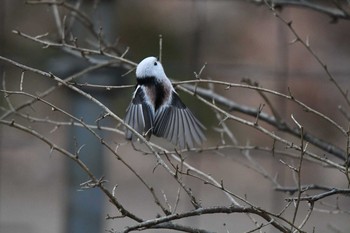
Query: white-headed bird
point(157, 109)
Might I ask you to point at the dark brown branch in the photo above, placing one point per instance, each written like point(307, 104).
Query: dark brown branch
point(334, 12)
point(178, 227)
point(280, 125)
point(304, 188)
point(211, 210)
point(317, 197)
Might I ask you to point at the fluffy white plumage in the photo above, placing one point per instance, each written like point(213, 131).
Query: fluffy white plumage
point(157, 109)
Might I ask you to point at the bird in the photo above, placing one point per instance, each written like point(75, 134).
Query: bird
point(156, 109)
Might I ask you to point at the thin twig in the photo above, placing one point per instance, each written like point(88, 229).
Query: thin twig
point(299, 169)
point(307, 46)
point(334, 13)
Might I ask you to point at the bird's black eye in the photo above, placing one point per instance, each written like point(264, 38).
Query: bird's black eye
point(155, 63)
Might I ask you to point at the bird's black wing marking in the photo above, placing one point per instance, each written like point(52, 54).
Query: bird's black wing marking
point(176, 123)
point(139, 115)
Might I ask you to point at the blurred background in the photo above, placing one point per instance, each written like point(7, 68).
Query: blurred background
point(40, 191)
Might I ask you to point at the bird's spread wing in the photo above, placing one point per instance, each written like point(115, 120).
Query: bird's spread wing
point(176, 123)
point(139, 115)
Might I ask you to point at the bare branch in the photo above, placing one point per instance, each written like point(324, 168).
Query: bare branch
point(317, 197)
point(334, 12)
point(312, 53)
point(210, 210)
point(283, 126)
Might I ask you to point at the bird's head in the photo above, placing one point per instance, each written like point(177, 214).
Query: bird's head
point(150, 67)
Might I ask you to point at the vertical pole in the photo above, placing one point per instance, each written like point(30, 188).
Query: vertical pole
point(85, 212)
point(2, 40)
